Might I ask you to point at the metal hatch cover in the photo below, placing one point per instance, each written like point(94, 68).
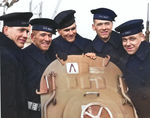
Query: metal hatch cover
point(83, 88)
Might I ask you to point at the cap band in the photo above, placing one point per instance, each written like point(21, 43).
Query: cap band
point(131, 32)
point(43, 28)
point(16, 23)
point(102, 17)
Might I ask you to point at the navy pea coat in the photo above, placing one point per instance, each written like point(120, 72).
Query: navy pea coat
point(74, 48)
point(113, 47)
point(34, 63)
point(13, 94)
point(137, 77)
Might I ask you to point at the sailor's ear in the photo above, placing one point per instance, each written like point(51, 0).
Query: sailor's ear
point(93, 27)
point(5, 30)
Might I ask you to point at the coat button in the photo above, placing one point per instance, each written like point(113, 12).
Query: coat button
point(141, 68)
point(34, 85)
point(132, 99)
point(143, 83)
point(144, 97)
point(130, 86)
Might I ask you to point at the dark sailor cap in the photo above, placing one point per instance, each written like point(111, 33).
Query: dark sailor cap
point(104, 14)
point(65, 18)
point(16, 19)
point(130, 27)
point(44, 24)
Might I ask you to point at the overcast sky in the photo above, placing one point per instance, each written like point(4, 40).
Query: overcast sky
point(125, 10)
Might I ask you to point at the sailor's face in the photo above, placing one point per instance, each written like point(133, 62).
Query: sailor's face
point(42, 40)
point(68, 33)
point(131, 43)
point(17, 34)
point(103, 28)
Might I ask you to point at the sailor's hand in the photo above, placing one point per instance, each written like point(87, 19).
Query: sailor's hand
point(91, 55)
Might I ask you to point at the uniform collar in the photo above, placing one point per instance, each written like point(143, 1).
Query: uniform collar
point(143, 50)
point(65, 44)
point(11, 46)
point(115, 40)
point(35, 53)
point(97, 44)
point(79, 42)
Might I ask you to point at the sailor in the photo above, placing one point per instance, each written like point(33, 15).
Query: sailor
point(137, 67)
point(12, 39)
point(106, 42)
point(69, 41)
point(36, 59)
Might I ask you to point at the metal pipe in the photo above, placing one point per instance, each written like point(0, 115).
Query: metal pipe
point(52, 74)
point(47, 103)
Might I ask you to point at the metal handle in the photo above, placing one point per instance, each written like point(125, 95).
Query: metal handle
point(46, 81)
point(95, 93)
point(53, 77)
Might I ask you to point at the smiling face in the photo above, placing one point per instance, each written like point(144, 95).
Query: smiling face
point(103, 28)
point(68, 33)
point(42, 40)
point(131, 43)
point(17, 34)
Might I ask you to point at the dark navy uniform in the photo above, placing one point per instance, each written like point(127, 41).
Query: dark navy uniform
point(71, 48)
point(34, 63)
point(112, 47)
point(13, 95)
point(136, 68)
point(137, 76)
point(36, 59)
